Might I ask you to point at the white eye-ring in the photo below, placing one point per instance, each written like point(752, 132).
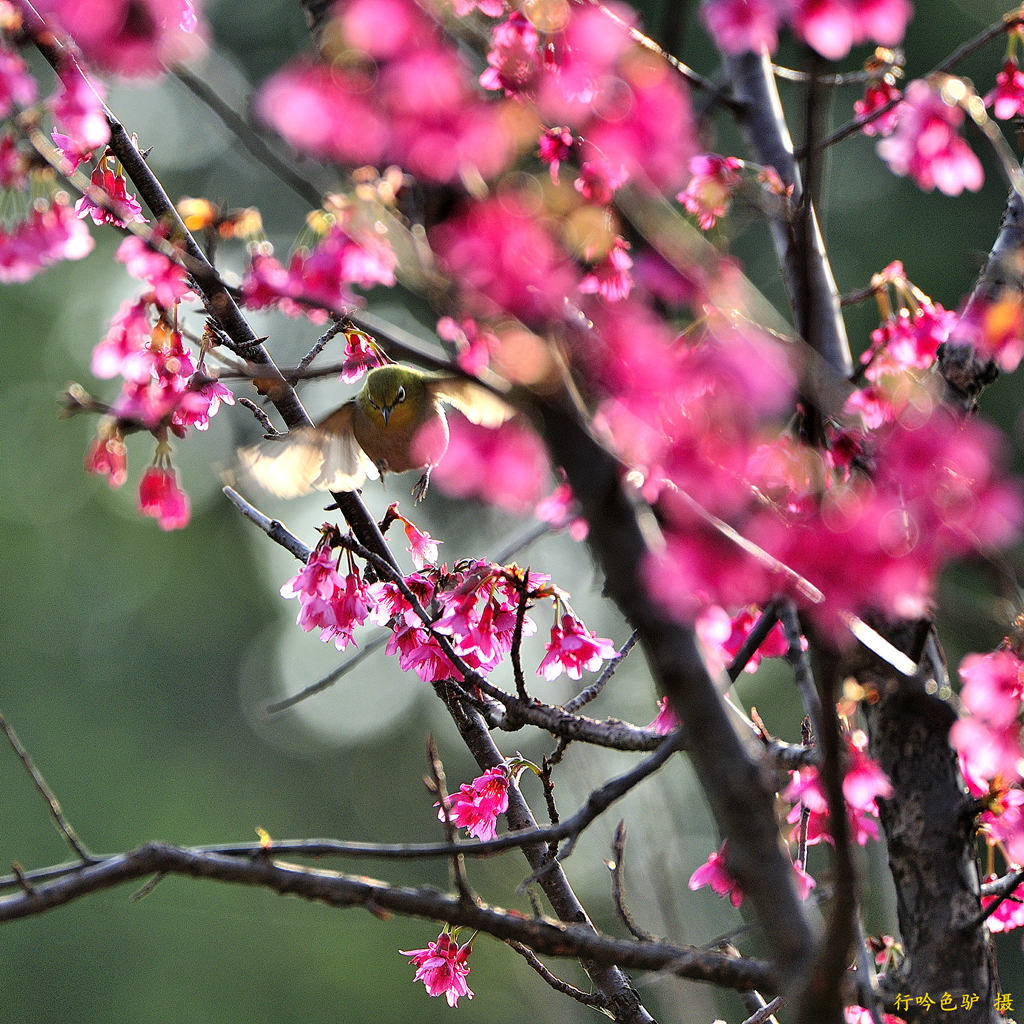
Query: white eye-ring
point(400, 397)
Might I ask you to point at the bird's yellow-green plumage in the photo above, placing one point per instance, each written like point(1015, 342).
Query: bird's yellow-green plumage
point(394, 424)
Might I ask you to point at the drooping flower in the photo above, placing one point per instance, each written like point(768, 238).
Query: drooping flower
point(161, 498)
point(574, 649)
point(442, 967)
point(878, 94)
point(1007, 98)
point(118, 209)
point(477, 805)
point(554, 146)
point(715, 873)
point(926, 144)
point(328, 601)
point(106, 456)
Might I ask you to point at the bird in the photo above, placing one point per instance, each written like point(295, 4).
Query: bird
point(395, 423)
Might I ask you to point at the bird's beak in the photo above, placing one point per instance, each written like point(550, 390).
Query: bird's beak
point(385, 411)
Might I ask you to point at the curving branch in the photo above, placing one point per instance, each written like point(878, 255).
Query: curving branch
point(543, 935)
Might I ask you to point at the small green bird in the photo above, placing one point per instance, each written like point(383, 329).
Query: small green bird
point(395, 423)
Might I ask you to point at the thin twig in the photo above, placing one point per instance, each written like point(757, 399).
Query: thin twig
point(584, 697)
point(63, 825)
point(336, 328)
point(616, 866)
point(587, 998)
point(765, 1012)
point(757, 636)
point(273, 528)
point(523, 587)
point(456, 862)
point(331, 678)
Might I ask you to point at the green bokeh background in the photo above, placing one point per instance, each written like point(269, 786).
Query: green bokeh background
point(136, 663)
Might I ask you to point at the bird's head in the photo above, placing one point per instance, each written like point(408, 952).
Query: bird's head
point(393, 395)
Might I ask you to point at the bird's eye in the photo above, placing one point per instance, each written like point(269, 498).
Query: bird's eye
point(400, 397)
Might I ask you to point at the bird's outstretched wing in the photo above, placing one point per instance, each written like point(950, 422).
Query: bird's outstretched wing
point(321, 458)
point(476, 403)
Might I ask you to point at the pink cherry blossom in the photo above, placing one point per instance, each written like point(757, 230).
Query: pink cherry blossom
point(474, 344)
point(506, 466)
point(477, 805)
point(908, 341)
point(574, 649)
point(879, 93)
point(666, 720)
point(561, 510)
point(442, 967)
point(1009, 914)
point(161, 498)
point(328, 601)
point(741, 25)
point(17, 86)
point(120, 208)
point(131, 37)
point(709, 193)
point(422, 546)
point(326, 111)
point(993, 687)
point(716, 874)
point(165, 277)
point(504, 260)
point(207, 396)
point(1007, 98)
point(418, 651)
point(995, 328)
point(514, 59)
point(49, 234)
point(361, 354)
point(78, 110)
point(609, 277)
point(106, 456)
point(926, 144)
point(860, 1015)
point(555, 145)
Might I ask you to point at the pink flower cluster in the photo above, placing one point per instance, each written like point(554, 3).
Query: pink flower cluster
point(832, 27)
point(442, 967)
point(709, 193)
point(988, 740)
point(863, 783)
point(477, 805)
point(401, 96)
point(574, 649)
point(130, 37)
point(161, 389)
point(1007, 98)
point(505, 466)
point(926, 144)
point(318, 279)
point(474, 607)
point(49, 234)
point(995, 328)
